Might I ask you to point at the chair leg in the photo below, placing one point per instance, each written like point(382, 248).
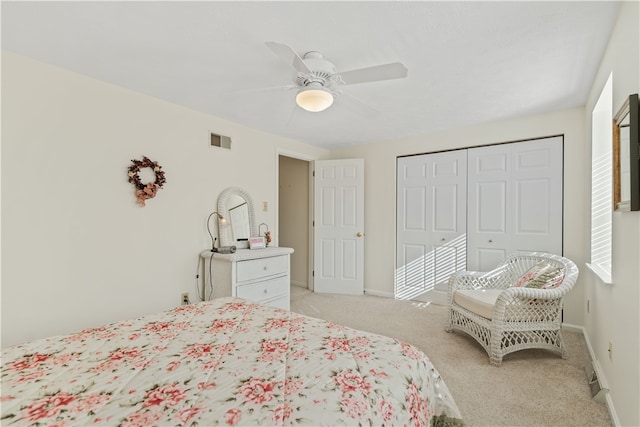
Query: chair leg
point(449, 321)
point(495, 355)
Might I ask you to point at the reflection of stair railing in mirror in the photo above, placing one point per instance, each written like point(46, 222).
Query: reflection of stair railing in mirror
point(432, 268)
point(239, 217)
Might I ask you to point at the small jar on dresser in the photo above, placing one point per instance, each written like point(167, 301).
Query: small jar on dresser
point(260, 275)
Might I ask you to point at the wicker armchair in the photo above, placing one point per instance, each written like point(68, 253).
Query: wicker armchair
point(514, 307)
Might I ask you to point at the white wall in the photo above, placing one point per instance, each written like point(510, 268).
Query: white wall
point(76, 249)
point(614, 309)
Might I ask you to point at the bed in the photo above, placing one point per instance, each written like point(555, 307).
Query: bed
point(222, 362)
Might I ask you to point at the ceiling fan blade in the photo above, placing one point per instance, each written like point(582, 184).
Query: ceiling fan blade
point(395, 70)
point(288, 55)
point(357, 105)
point(281, 88)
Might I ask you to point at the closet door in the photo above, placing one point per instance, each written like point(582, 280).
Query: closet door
point(431, 219)
point(515, 200)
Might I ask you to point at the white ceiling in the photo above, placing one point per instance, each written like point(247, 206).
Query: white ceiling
point(469, 62)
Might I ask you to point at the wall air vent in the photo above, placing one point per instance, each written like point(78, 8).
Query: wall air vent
point(220, 141)
point(598, 393)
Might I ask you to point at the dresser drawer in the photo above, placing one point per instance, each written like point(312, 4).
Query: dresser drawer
point(264, 290)
point(262, 267)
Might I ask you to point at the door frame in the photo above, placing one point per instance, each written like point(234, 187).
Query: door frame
point(309, 160)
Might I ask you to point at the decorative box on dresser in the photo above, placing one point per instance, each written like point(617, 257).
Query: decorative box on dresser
point(260, 275)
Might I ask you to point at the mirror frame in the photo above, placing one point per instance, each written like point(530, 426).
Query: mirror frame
point(224, 230)
point(629, 109)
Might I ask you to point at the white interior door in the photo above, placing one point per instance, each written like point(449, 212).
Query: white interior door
point(339, 226)
point(431, 221)
point(515, 200)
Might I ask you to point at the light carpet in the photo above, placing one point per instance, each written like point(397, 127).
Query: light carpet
point(531, 388)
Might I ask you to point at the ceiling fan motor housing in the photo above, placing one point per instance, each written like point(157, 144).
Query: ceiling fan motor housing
point(321, 70)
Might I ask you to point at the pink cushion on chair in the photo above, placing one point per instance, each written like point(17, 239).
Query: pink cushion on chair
point(541, 276)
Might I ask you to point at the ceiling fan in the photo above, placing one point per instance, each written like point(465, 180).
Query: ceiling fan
point(317, 79)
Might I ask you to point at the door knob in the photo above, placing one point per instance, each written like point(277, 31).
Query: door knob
point(359, 234)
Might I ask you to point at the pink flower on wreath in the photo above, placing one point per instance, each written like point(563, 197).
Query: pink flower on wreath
point(148, 192)
point(166, 395)
point(350, 381)
point(47, 407)
point(232, 417)
point(257, 390)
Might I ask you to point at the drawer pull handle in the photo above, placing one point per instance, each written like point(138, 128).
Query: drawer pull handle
point(265, 291)
point(265, 268)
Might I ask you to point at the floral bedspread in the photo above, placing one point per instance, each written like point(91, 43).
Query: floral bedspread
point(222, 362)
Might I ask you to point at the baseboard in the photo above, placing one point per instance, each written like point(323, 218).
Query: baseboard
point(596, 367)
point(299, 284)
point(574, 328)
point(378, 293)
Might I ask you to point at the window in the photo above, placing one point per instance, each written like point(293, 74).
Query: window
point(602, 183)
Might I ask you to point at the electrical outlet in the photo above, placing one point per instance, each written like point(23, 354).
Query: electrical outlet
point(184, 299)
point(265, 206)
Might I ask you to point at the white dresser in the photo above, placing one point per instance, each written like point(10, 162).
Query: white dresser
point(260, 275)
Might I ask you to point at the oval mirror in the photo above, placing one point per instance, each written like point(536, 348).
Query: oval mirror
point(236, 206)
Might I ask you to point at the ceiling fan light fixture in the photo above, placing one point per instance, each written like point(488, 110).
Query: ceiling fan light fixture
point(314, 98)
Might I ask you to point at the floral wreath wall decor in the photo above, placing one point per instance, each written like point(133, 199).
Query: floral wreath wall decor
point(148, 190)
